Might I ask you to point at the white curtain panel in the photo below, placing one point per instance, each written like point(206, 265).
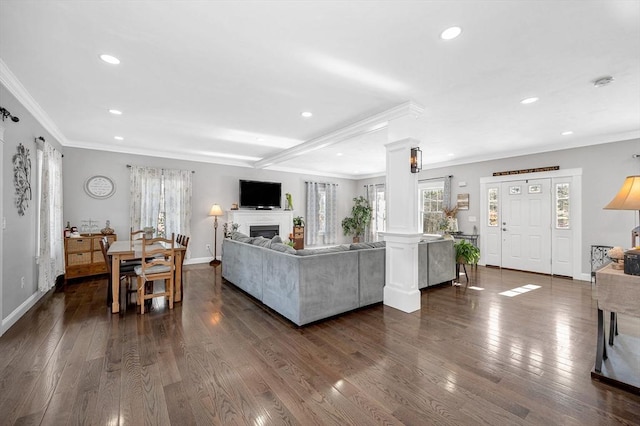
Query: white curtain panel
point(51, 255)
point(311, 218)
point(177, 198)
point(312, 234)
point(145, 185)
point(331, 233)
point(446, 198)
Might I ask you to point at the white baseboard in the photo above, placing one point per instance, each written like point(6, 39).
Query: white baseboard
point(14, 316)
point(197, 260)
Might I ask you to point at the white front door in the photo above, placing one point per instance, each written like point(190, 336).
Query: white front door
point(526, 225)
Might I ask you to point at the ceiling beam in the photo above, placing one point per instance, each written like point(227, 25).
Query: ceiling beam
point(367, 125)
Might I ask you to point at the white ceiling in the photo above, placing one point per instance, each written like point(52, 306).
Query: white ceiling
point(226, 81)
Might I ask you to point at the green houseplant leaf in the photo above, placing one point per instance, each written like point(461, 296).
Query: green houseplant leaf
point(360, 217)
point(466, 252)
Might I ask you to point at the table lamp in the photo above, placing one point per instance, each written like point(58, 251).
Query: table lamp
point(628, 198)
point(215, 212)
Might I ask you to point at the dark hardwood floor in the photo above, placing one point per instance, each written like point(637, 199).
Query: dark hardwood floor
point(467, 357)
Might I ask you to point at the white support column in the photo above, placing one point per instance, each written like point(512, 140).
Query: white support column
point(402, 236)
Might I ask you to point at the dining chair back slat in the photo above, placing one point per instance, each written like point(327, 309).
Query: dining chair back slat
point(158, 263)
point(184, 241)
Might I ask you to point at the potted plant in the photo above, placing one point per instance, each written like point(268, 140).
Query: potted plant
point(228, 228)
point(360, 217)
point(466, 253)
point(298, 221)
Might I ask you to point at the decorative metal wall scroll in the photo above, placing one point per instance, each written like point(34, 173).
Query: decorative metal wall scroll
point(22, 178)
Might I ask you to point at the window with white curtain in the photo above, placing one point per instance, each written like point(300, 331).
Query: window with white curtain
point(321, 222)
point(161, 198)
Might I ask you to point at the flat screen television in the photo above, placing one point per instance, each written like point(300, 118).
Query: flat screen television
point(260, 195)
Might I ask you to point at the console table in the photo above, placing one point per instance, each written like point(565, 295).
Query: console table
point(618, 365)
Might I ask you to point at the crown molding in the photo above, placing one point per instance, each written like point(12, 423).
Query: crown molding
point(13, 85)
point(362, 127)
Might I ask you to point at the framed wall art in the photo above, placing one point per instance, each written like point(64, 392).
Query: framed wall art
point(463, 201)
point(99, 187)
point(22, 178)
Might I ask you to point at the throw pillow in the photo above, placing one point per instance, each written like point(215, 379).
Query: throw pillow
point(284, 248)
point(235, 235)
point(276, 239)
point(262, 242)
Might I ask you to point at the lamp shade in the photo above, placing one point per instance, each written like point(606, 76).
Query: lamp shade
point(628, 198)
point(216, 210)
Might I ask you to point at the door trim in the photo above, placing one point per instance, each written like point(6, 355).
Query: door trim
point(576, 212)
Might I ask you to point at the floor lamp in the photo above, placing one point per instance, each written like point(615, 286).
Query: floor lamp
point(215, 212)
point(628, 198)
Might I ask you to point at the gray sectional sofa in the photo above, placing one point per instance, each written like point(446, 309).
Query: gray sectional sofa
point(309, 285)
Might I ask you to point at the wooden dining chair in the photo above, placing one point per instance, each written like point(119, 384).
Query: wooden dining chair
point(126, 272)
point(136, 235)
point(158, 264)
point(182, 240)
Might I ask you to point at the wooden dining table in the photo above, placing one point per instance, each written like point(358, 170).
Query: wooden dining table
point(132, 250)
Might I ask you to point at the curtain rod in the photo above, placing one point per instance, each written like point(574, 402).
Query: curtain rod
point(321, 183)
point(434, 178)
point(129, 166)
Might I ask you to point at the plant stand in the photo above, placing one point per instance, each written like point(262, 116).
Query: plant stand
point(298, 237)
point(464, 267)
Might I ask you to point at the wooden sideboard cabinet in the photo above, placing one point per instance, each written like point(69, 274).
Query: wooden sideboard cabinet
point(83, 256)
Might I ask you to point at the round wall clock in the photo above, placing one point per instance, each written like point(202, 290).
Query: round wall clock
point(99, 187)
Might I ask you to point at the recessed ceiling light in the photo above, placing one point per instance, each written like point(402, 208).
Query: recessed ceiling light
point(115, 112)
point(529, 100)
point(306, 114)
point(110, 59)
point(118, 138)
point(567, 133)
point(450, 154)
point(260, 139)
point(451, 33)
point(339, 154)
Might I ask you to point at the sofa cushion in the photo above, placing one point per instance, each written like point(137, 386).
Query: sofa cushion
point(283, 248)
point(324, 250)
point(359, 246)
point(276, 239)
point(377, 244)
point(262, 242)
point(235, 235)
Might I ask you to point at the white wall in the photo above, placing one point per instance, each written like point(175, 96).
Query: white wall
point(604, 168)
point(19, 237)
point(212, 183)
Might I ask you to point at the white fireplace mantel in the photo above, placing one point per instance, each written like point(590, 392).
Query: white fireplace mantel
point(247, 218)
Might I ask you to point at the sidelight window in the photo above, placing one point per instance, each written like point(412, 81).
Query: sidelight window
point(562, 202)
point(492, 205)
